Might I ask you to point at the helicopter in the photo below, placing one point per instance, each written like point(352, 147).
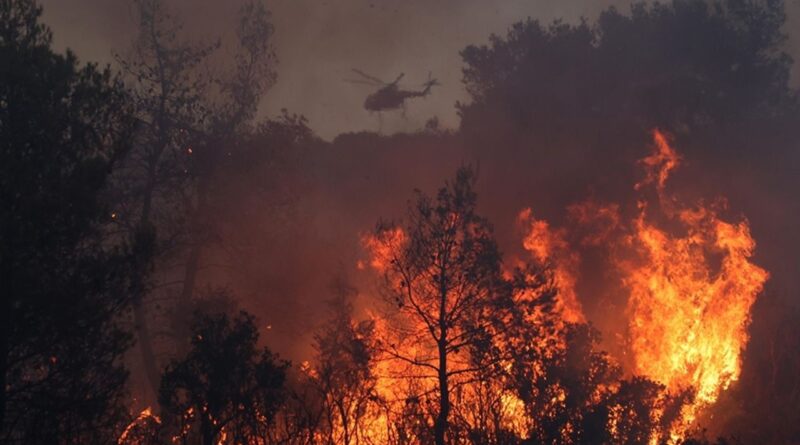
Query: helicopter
point(389, 95)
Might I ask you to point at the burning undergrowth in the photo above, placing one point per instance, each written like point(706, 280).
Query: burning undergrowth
point(461, 345)
point(689, 285)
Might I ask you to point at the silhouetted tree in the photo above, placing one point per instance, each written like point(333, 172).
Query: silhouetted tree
point(192, 119)
point(440, 279)
point(216, 144)
point(344, 371)
point(681, 64)
point(575, 394)
point(560, 99)
point(564, 382)
point(225, 390)
point(412, 423)
point(484, 414)
point(62, 285)
point(571, 392)
point(638, 410)
point(301, 419)
point(167, 96)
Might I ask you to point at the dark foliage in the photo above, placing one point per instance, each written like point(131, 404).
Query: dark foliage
point(225, 386)
point(681, 65)
point(62, 126)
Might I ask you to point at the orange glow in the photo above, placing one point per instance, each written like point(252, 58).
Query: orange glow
point(382, 248)
point(408, 359)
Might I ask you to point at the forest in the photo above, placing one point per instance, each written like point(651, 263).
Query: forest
point(603, 251)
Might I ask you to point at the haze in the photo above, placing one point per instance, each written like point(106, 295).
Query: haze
point(319, 41)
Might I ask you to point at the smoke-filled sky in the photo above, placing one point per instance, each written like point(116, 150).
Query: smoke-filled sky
point(319, 41)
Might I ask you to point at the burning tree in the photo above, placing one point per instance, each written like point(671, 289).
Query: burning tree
point(441, 274)
point(508, 352)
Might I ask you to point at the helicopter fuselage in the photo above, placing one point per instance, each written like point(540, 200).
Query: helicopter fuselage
point(391, 98)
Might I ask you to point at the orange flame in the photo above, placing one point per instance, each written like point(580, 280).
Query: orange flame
point(659, 164)
point(381, 248)
point(146, 414)
point(548, 246)
point(688, 319)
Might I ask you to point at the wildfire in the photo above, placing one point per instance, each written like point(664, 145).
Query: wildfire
point(689, 294)
point(548, 246)
point(688, 319)
point(689, 285)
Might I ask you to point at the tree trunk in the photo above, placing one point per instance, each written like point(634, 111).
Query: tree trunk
point(440, 427)
point(5, 332)
point(146, 345)
point(197, 240)
point(345, 422)
point(185, 298)
point(207, 431)
point(142, 328)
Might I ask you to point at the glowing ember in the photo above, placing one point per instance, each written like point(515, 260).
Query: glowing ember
point(144, 416)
